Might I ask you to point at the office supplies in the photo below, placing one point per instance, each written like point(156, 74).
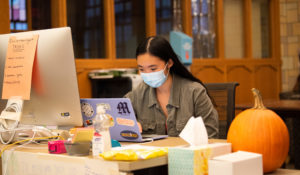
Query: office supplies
point(56, 147)
point(125, 125)
point(77, 148)
point(82, 135)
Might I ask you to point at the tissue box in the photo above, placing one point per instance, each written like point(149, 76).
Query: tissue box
point(194, 160)
point(237, 163)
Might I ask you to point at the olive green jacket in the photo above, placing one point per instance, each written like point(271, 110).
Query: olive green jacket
point(187, 99)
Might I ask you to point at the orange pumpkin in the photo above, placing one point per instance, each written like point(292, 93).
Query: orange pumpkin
point(260, 130)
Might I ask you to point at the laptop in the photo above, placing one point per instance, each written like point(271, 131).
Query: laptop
point(125, 126)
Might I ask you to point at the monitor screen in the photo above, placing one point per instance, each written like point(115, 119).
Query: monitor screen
point(56, 102)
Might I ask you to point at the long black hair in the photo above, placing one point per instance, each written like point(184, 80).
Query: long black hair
point(161, 48)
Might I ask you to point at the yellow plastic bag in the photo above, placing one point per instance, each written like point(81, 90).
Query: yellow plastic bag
point(134, 154)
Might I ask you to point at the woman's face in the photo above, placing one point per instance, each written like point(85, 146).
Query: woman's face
point(148, 63)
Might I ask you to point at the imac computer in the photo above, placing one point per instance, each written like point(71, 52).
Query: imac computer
point(57, 101)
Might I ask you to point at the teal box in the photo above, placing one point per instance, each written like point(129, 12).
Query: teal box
point(182, 44)
point(188, 161)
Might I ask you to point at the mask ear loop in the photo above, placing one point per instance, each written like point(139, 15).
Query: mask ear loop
point(166, 67)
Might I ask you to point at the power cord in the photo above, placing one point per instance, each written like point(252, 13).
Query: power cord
point(10, 117)
point(11, 109)
point(28, 141)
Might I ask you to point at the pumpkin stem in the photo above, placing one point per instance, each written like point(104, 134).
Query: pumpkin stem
point(258, 102)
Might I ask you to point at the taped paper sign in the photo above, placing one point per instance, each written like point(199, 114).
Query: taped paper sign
point(18, 67)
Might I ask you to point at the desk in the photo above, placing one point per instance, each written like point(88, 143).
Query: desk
point(285, 109)
point(32, 157)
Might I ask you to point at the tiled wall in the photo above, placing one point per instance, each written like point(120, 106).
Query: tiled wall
point(290, 42)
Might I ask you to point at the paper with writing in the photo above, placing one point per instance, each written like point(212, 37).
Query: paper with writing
point(18, 67)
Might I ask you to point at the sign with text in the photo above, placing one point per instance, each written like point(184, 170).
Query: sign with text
point(18, 67)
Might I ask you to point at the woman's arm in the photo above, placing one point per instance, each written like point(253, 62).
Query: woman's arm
point(205, 109)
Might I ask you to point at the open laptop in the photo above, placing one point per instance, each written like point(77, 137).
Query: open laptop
point(120, 109)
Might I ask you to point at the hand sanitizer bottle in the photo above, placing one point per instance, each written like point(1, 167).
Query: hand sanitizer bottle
point(97, 146)
point(102, 122)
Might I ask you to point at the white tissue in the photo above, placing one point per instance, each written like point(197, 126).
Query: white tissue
point(195, 132)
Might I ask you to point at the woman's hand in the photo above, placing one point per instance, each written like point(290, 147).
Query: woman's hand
point(140, 127)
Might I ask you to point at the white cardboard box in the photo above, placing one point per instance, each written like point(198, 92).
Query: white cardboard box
point(238, 163)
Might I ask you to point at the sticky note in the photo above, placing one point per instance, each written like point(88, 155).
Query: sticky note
point(18, 67)
point(83, 135)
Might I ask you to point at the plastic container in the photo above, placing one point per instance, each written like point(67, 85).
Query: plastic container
point(78, 148)
point(102, 122)
point(97, 146)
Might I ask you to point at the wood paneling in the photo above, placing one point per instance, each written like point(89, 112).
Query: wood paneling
point(248, 28)
point(29, 15)
point(263, 74)
point(109, 29)
point(210, 73)
point(220, 29)
point(150, 18)
point(187, 17)
point(266, 81)
point(243, 75)
point(58, 13)
point(84, 84)
point(4, 17)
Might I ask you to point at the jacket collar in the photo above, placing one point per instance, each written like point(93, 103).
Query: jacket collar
point(174, 94)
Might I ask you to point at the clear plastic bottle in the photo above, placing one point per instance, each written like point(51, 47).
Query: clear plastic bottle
point(102, 122)
point(97, 146)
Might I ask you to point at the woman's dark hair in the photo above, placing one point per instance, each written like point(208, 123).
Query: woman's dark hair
point(160, 47)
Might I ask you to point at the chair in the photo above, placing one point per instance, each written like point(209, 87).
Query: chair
point(223, 95)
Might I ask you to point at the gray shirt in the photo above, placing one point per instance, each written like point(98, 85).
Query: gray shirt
point(187, 99)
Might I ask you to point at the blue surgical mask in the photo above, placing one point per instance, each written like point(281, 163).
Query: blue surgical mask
point(155, 79)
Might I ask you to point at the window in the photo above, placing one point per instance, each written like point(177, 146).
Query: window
point(164, 17)
point(260, 29)
point(86, 20)
point(234, 29)
point(41, 14)
point(33, 16)
point(18, 15)
point(203, 17)
point(130, 26)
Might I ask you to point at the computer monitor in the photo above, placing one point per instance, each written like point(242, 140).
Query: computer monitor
point(56, 67)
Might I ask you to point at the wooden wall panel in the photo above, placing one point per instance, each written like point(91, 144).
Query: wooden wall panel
point(58, 13)
point(4, 17)
point(209, 74)
point(150, 22)
point(84, 84)
point(266, 80)
point(243, 75)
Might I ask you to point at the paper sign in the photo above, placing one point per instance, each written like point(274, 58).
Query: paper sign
point(18, 67)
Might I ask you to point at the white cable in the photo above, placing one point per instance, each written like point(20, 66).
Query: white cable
point(13, 149)
point(11, 136)
point(13, 107)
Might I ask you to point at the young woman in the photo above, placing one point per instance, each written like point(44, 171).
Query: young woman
point(170, 94)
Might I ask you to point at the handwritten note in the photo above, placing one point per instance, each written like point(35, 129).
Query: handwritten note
point(18, 67)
